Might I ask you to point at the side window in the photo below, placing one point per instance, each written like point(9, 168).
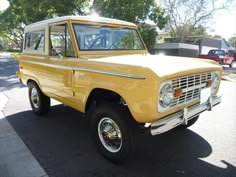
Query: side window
point(60, 41)
point(35, 41)
point(211, 52)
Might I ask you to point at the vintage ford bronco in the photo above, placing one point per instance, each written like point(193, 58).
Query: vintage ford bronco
point(101, 66)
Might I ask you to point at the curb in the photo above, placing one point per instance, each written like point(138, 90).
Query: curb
point(16, 159)
point(3, 100)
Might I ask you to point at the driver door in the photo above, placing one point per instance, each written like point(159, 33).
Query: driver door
point(59, 74)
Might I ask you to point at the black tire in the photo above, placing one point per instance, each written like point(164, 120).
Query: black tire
point(113, 115)
point(190, 122)
point(39, 102)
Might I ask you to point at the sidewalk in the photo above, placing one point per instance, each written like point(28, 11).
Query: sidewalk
point(15, 158)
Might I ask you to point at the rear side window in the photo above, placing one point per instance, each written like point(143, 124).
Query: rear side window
point(34, 41)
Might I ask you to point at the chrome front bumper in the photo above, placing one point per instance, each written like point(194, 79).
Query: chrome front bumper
point(182, 117)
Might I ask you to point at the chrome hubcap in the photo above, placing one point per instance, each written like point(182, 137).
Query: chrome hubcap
point(34, 97)
point(109, 135)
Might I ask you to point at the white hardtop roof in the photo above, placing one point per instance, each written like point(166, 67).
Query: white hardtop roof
point(81, 18)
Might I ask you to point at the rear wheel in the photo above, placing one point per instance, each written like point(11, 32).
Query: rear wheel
point(113, 131)
point(39, 102)
point(233, 64)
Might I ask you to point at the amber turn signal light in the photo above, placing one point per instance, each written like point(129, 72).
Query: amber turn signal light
point(209, 83)
point(178, 92)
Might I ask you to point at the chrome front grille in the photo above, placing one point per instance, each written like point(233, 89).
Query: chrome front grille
point(191, 86)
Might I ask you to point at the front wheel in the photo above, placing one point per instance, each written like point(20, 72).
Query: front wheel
point(112, 131)
point(39, 102)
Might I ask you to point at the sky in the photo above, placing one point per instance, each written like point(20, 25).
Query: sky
point(3, 4)
point(223, 24)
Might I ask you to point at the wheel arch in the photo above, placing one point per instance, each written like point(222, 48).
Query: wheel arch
point(98, 95)
point(35, 81)
point(31, 80)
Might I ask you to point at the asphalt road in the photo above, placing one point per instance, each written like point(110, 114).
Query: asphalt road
point(62, 144)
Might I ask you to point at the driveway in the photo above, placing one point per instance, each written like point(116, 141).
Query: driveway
point(61, 142)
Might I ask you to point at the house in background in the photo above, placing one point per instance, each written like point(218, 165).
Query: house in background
point(211, 43)
point(162, 35)
point(176, 49)
point(191, 47)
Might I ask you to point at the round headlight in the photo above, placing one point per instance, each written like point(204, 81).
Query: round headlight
point(215, 81)
point(166, 95)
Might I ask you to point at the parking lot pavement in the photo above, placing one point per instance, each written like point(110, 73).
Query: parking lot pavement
point(15, 159)
point(61, 141)
point(229, 74)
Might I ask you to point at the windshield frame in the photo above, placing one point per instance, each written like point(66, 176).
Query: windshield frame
point(143, 47)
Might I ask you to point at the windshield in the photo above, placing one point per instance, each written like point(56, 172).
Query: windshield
point(92, 37)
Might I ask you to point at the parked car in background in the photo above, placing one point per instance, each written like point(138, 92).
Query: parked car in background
point(221, 56)
point(101, 66)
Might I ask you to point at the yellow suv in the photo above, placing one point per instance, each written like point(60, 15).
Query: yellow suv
point(101, 65)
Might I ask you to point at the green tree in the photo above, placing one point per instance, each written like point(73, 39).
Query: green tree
point(186, 16)
point(187, 32)
point(11, 29)
point(24, 12)
point(148, 35)
point(217, 36)
point(134, 11)
point(232, 41)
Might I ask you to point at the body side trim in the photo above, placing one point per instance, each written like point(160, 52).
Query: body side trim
point(86, 69)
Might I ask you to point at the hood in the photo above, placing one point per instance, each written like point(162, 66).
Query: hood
point(163, 65)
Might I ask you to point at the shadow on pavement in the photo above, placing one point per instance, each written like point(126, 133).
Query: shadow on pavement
point(61, 143)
